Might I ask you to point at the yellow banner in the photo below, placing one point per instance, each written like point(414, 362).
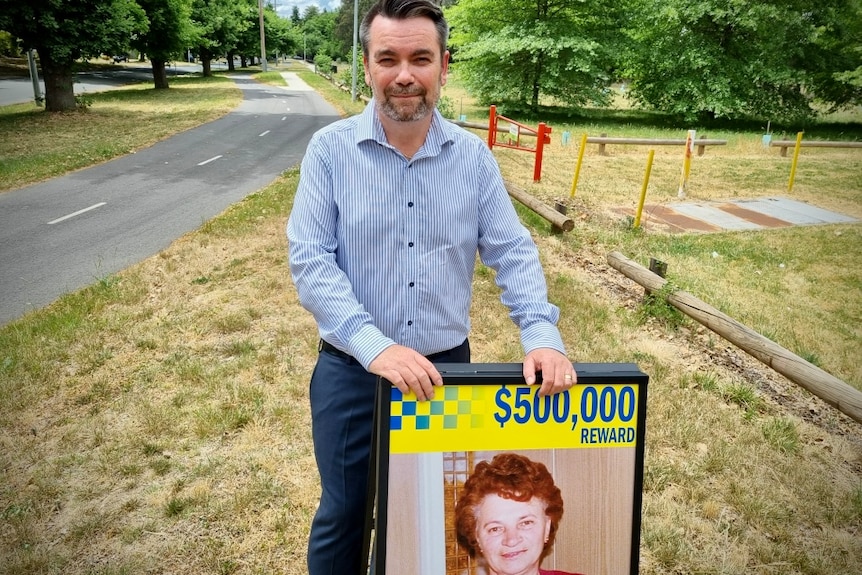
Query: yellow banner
point(491, 417)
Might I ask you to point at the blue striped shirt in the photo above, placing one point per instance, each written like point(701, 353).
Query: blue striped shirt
point(383, 248)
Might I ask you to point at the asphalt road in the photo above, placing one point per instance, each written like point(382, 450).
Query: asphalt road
point(18, 90)
point(69, 232)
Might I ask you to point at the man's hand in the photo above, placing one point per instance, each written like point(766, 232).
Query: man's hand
point(558, 374)
point(408, 370)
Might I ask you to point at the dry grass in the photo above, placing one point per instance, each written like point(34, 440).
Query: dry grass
point(36, 146)
point(157, 422)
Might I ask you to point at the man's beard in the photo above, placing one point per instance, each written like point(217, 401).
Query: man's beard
point(402, 113)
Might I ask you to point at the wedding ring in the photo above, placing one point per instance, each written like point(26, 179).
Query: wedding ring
point(568, 376)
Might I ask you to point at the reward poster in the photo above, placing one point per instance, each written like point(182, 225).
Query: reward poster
point(489, 477)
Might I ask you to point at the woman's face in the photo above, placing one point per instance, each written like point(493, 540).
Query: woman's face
point(512, 534)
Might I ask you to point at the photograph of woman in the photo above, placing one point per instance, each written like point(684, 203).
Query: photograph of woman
point(507, 515)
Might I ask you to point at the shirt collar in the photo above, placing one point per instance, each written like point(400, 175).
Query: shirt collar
point(370, 128)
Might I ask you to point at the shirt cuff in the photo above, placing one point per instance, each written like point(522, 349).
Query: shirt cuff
point(542, 334)
point(367, 344)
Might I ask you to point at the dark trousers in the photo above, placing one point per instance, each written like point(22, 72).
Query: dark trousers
point(342, 410)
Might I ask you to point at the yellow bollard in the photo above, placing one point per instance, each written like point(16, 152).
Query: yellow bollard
point(578, 165)
point(644, 189)
point(795, 160)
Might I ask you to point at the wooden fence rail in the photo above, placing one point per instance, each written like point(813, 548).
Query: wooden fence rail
point(784, 144)
point(827, 387)
point(701, 143)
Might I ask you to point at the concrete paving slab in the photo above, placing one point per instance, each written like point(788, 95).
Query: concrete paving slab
point(795, 212)
point(740, 215)
point(714, 214)
point(757, 218)
point(674, 219)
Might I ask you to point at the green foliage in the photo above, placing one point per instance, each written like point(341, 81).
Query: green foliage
point(346, 75)
point(54, 29)
point(7, 44)
point(169, 31)
point(83, 101)
point(323, 64)
point(530, 50)
point(716, 59)
point(446, 107)
point(218, 25)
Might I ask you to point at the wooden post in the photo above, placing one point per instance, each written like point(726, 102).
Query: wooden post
point(657, 267)
point(700, 147)
point(602, 145)
point(560, 207)
point(557, 219)
point(827, 387)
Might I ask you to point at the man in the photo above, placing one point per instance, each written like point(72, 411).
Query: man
point(391, 209)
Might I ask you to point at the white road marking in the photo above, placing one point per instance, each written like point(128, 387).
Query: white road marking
point(213, 159)
point(263, 134)
point(78, 213)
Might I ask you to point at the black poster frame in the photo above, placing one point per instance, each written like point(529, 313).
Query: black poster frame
point(492, 374)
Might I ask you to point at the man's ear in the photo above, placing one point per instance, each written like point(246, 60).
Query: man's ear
point(367, 73)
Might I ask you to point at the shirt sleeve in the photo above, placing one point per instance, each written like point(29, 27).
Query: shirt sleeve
point(323, 288)
point(505, 245)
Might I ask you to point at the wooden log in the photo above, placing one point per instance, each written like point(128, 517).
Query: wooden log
point(827, 387)
point(784, 144)
point(557, 219)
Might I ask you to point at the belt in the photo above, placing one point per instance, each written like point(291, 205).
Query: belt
point(329, 348)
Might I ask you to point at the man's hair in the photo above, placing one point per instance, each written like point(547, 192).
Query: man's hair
point(402, 10)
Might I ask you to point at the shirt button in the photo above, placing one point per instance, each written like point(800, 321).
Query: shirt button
point(411, 284)
point(410, 322)
point(410, 245)
point(409, 204)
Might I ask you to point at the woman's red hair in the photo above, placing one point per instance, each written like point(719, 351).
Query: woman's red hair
point(510, 476)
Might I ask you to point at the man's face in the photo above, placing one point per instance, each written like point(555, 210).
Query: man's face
point(404, 67)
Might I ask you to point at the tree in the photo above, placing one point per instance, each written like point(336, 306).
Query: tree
point(343, 31)
point(218, 27)
point(167, 36)
point(835, 61)
point(520, 50)
point(317, 28)
point(281, 35)
point(768, 59)
point(64, 31)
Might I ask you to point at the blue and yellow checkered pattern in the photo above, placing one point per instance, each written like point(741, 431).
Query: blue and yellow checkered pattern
point(460, 407)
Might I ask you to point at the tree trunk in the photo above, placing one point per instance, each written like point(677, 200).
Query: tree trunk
point(243, 61)
point(160, 76)
point(206, 62)
point(537, 87)
point(230, 66)
point(58, 76)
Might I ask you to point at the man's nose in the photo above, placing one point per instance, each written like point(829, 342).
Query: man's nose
point(405, 74)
